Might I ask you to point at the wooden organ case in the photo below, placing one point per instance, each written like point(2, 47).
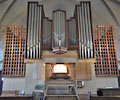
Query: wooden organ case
point(105, 50)
point(60, 35)
point(14, 51)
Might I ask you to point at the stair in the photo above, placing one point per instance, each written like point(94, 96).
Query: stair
point(61, 90)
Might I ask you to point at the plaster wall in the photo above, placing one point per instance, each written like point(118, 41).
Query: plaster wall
point(35, 74)
point(97, 82)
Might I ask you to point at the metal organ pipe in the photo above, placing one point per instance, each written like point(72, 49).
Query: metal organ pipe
point(61, 28)
point(90, 30)
point(79, 30)
point(34, 31)
point(46, 32)
point(87, 34)
point(32, 27)
point(85, 30)
point(29, 28)
point(55, 29)
point(64, 31)
point(59, 31)
point(82, 32)
point(37, 33)
point(72, 32)
point(40, 23)
point(35, 27)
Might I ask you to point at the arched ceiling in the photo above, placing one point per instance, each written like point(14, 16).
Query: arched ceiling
point(14, 12)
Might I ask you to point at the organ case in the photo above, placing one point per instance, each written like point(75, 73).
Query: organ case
point(105, 50)
point(14, 52)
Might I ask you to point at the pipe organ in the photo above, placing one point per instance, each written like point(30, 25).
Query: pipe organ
point(84, 25)
point(35, 18)
point(59, 34)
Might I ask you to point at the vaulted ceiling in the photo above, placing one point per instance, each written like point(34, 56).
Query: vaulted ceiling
point(14, 12)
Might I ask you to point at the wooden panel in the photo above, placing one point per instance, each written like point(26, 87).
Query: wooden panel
point(72, 54)
point(48, 72)
point(14, 51)
point(83, 71)
point(106, 58)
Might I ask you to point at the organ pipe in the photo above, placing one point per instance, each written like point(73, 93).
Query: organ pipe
point(72, 32)
point(83, 17)
point(55, 30)
point(59, 31)
point(35, 16)
point(47, 32)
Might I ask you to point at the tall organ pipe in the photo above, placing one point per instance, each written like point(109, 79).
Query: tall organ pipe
point(79, 30)
point(40, 22)
point(90, 30)
point(87, 32)
point(29, 29)
point(84, 31)
point(64, 30)
point(32, 27)
point(55, 29)
point(37, 33)
point(60, 31)
point(34, 31)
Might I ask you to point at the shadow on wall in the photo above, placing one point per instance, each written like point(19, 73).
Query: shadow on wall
point(67, 5)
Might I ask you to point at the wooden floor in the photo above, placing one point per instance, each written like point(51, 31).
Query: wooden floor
point(16, 98)
point(82, 97)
